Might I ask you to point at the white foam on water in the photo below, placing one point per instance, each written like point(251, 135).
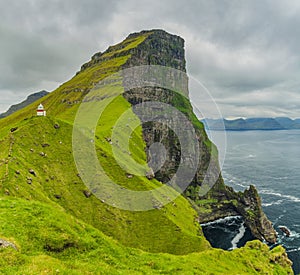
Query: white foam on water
point(276, 194)
point(228, 178)
point(279, 178)
point(293, 250)
point(278, 218)
point(272, 203)
point(239, 236)
point(294, 235)
point(241, 185)
point(222, 220)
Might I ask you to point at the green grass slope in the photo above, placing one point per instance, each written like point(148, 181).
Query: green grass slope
point(39, 146)
point(51, 241)
point(65, 100)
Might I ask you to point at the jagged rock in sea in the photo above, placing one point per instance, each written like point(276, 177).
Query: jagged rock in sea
point(285, 230)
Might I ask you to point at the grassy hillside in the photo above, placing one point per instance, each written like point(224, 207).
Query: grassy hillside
point(50, 241)
point(59, 227)
point(39, 146)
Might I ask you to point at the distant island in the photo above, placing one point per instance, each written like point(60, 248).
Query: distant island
point(259, 123)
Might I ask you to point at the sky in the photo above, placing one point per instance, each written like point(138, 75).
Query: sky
point(246, 53)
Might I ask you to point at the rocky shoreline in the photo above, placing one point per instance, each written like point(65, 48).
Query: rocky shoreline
point(246, 204)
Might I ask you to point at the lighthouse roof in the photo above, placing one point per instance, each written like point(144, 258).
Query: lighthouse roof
point(40, 107)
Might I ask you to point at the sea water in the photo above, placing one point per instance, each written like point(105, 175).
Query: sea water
point(271, 161)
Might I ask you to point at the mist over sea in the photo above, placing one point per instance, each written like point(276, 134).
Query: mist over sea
point(271, 161)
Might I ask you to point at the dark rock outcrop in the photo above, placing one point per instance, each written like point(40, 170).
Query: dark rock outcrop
point(224, 201)
point(87, 193)
point(150, 174)
point(285, 230)
point(159, 48)
point(6, 244)
point(32, 172)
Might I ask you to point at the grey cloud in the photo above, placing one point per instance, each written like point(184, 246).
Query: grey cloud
point(236, 48)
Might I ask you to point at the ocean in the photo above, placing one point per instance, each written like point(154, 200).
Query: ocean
point(271, 161)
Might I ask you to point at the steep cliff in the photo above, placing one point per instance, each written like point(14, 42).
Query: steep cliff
point(161, 48)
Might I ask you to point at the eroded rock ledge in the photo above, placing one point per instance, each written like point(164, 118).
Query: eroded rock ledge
point(222, 201)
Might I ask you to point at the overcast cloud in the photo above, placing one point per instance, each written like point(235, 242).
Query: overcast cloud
point(245, 52)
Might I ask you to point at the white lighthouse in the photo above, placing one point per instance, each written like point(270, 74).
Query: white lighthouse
point(40, 111)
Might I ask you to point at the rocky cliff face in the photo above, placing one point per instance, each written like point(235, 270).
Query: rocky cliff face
point(224, 201)
point(161, 48)
point(157, 47)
